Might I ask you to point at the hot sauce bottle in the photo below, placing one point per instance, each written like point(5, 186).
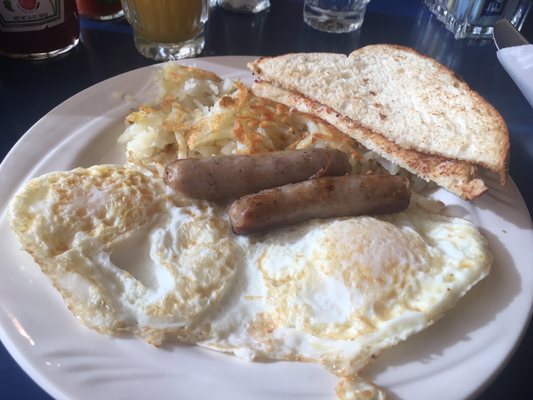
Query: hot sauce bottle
point(100, 10)
point(37, 29)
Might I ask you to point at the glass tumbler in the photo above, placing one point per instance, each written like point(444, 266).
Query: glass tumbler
point(167, 29)
point(475, 19)
point(337, 16)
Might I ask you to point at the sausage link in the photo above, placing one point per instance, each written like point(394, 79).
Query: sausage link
point(327, 197)
point(222, 177)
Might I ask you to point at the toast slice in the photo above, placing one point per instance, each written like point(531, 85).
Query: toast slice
point(458, 177)
point(405, 97)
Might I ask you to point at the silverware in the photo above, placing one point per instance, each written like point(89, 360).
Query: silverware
point(506, 35)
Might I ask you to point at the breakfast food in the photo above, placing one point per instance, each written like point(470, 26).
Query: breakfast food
point(201, 115)
point(222, 177)
point(406, 107)
point(458, 177)
point(129, 259)
point(132, 256)
point(328, 197)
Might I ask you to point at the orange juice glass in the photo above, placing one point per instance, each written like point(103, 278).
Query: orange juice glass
point(167, 29)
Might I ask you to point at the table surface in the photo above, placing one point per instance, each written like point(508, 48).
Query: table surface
point(28, 90)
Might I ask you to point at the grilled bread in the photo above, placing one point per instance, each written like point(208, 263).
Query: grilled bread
point(458, 177)
point(405, 106)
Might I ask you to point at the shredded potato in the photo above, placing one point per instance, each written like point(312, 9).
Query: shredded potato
point(199, 114)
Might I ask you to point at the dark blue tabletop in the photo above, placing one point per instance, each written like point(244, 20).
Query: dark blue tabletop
point(28, 90)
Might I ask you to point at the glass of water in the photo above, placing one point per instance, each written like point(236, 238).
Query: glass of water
point(338, 16)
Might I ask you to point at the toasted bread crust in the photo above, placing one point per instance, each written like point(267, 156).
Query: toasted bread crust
point(458, 177)
point(484, 107)
point(369, 86)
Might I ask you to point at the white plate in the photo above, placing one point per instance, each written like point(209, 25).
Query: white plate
point(453, 359)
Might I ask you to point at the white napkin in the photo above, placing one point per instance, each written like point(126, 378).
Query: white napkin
point(518, 62)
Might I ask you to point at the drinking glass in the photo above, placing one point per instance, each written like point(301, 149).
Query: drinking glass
point(167, 29)
point(475, 19)
point(338, 16)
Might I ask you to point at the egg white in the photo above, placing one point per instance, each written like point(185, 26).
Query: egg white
point(129, 257)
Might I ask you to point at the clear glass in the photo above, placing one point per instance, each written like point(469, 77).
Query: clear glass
point(338, 16)
point(476, 18)
point(245, 6)
point(167, 29)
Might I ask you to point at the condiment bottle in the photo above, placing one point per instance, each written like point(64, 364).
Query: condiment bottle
point(245, 6)
point(37, 29)
point(100, 10)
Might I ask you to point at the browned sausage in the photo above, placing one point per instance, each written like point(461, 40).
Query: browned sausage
point(222, 177)
point(319, 198)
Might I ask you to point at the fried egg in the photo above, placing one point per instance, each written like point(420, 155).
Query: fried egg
point(129, 257)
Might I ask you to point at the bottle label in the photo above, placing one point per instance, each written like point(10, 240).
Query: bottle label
point(30, 15)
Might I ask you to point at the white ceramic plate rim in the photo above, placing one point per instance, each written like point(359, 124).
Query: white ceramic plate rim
point(468, 346)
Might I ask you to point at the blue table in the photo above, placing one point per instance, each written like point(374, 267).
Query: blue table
point(28, 90)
